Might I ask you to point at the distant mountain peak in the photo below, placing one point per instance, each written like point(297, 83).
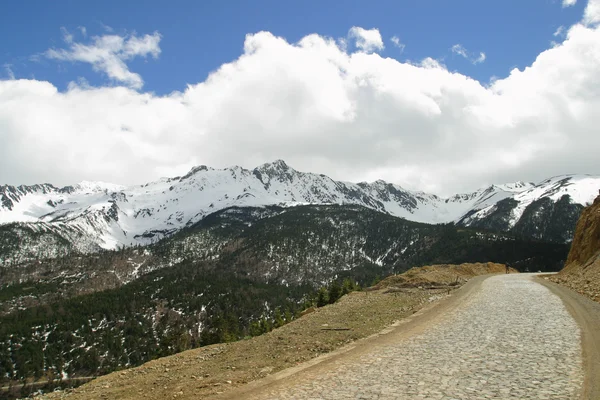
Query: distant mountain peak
point(277, 165)
point(518, 186)
point(193, 171)
point(148, 212)
point(97, 186)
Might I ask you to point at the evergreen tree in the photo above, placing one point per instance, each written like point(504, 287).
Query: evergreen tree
point(278, 319)
point(322, 297)
point(335, 292)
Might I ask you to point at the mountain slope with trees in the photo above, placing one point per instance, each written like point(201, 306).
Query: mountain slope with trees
point(236, 273)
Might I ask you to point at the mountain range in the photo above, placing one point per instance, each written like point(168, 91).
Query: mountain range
point(46, 221)
point(96, 277)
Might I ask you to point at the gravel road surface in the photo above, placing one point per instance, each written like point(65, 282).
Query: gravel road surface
point(512, 339)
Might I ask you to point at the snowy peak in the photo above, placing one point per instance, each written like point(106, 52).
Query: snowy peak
point(277, 170)
point(193, 172)
point(89, 187)
point(277, 166)
point(581, 188)
point(547, 210)
point(11, 195)
point(115, 215)
point(515, 187)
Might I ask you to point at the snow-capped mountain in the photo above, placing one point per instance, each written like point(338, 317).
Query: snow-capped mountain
point(581, 188)
point(548, 210)
point(110, 215)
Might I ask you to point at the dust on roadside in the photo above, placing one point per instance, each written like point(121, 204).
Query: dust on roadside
point(208, 371)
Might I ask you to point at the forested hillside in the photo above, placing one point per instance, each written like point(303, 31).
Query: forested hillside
point(236, 273)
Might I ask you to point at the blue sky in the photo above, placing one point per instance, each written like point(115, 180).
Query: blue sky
point(439, 96)
point(199, 36)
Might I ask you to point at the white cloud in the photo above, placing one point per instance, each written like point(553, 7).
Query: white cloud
point(368, 40)
point(559, 31)
point(351, 115)
point(109, 53)
point(460, 50)
point(591, 14)
point(396, 41)
point(8, 70)
point(83, 30)
point(67, 37)
point(569, 3)
point(479, 59)
point(429, 63)
point(107, 28)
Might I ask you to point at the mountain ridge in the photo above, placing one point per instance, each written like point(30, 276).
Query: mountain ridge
point(110, 216)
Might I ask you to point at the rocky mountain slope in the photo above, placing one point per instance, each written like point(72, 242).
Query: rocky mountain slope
point(582, 269)
point(43, 221)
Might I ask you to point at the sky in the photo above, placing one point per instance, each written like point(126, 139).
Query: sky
point(438, 96)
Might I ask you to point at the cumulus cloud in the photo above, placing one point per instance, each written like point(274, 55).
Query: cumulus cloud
point(368, 40)
point(460, 50)
point(591, 15)
point(569, 3)
point(351, 115)
point(396, 41)
point(109, 54)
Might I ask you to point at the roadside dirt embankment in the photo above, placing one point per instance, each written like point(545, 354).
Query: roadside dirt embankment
point(582, 269)
point(441, 275)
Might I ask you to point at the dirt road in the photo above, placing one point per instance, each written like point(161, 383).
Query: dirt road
point(513, 336)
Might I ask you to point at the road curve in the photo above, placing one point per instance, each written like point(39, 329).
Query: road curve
point(509, 337)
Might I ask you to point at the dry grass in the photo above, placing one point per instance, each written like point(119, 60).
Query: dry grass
point(441, 275)
point(208, 371)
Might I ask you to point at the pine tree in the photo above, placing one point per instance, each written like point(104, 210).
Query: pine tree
point(278, 319)
point(348, 286)
point(335, 292)
point(322, 297)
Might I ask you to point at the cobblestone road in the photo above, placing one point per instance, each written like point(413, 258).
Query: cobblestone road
point(513, 339)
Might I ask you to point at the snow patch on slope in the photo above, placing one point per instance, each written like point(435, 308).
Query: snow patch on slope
point(581, 188)
point(115, 215)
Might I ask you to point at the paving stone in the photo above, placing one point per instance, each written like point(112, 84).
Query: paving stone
point(514, 339)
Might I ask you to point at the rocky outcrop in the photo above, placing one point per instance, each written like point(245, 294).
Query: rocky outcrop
point(582, 269)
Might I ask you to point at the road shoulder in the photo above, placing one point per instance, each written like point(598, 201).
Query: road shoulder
point(587, 314)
